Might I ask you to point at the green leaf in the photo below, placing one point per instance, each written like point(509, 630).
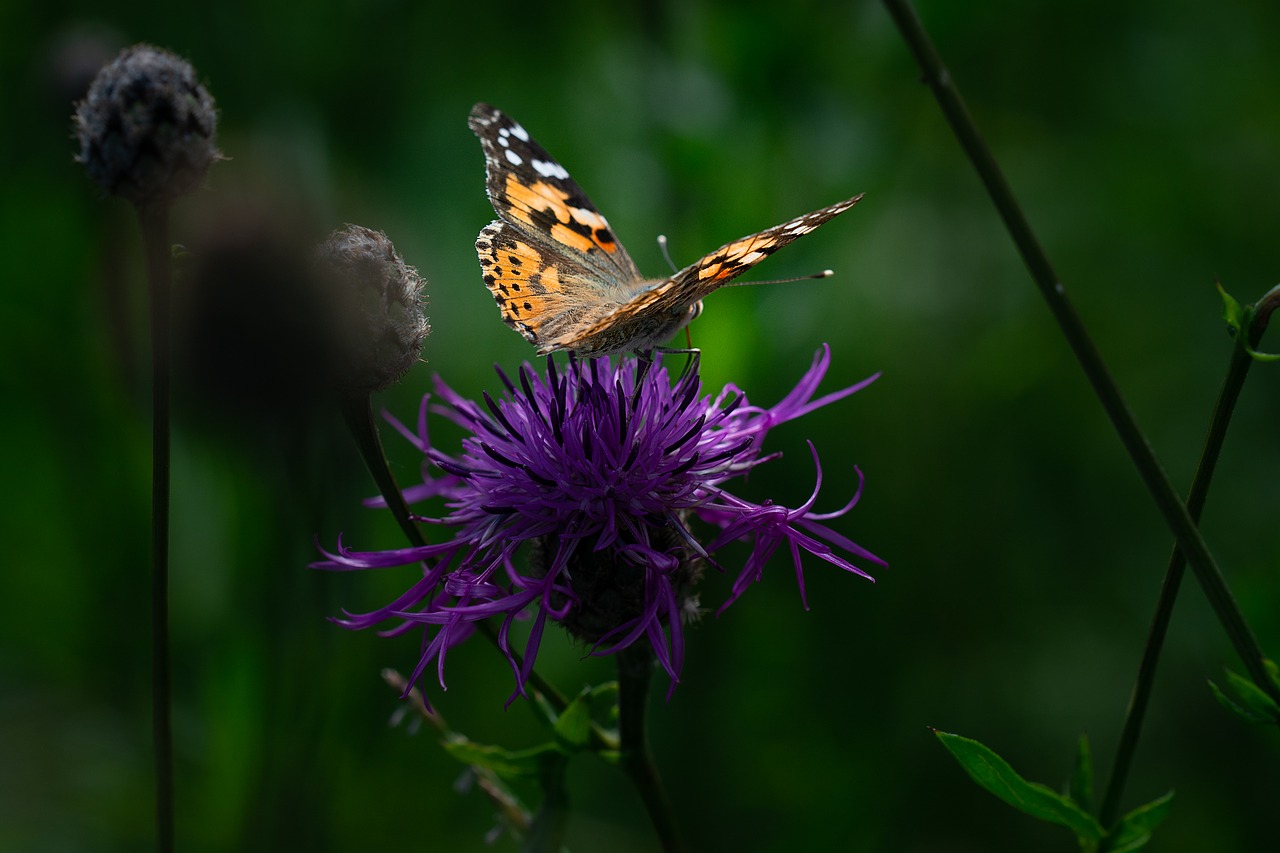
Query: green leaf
point(1040, 801)
point(1135, 828)
point(1232, 311)
point(1081, 787)
point(1226, 701)
point(1261, 356)
point(1254, 704)
point(504, 762)
point(573, 727)
point(604, 695)
point(542, 709)
point(1239, 318)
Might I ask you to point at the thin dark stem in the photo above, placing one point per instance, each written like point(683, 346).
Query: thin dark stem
point(1238, 370)
point(358, 412)
point(153, 220)
point(635, 671)
point(1144, 459)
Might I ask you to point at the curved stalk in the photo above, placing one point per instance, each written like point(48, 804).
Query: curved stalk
point(1238, 370)
point(1139, 449)
point(635, 671)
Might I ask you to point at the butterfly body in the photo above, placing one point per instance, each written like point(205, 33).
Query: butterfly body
point(560, 276)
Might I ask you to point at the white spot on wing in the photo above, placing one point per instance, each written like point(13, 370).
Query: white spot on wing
point(513, 158)
point(519, 132)
point(550, 169)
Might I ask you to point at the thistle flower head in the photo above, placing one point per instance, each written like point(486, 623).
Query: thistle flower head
point(601, 471)
point(146, 129)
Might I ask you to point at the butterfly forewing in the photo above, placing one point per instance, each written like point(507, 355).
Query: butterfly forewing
point(530, 190)
point(717, 269)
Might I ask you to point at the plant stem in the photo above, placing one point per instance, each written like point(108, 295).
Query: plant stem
point(1144, 459)
point(357, 410)
point(153, 221)
point(1237, 371)
point(635, 671)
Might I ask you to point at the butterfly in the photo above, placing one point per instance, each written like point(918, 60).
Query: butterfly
point(560, 276)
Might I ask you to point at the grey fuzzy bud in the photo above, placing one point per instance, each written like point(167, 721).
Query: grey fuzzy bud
point(379, 298)
point(146, 129)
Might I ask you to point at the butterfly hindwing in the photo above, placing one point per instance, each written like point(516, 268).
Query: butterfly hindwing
point(541, 293)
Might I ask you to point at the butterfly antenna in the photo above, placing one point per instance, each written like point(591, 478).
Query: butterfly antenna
point(823, 274)
point(662, 244)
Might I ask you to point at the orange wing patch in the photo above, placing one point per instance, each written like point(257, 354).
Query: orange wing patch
point(526, 286)
point(737, 256)
point(547, 206)
point(674, 296)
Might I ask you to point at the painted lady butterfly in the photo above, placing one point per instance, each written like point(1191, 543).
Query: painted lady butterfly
point(560, 276)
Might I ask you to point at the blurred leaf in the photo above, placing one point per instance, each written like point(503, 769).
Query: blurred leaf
point(542, 710)
point(994, 773)
point(1254, 704)
point(506, 763)
point(1136, 827)
point(1081, 788)
point(573, 727)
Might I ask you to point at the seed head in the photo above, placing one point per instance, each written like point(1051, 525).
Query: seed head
point(146, 129)
point(381, 325)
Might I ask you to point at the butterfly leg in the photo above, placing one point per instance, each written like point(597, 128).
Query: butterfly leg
point(690, 365)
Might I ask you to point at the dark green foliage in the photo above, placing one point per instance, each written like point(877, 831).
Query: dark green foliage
point(1024, 557)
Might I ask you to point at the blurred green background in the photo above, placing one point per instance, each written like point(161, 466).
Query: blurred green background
point(1144, 142)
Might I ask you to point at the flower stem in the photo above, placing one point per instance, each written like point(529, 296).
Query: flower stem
point(357, 409)
point(1143, 457)
point(153, 221)
point(1237, 371)
point(635, 671)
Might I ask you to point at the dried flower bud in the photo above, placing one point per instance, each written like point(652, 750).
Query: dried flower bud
point(252, 329)
point(146, 129)
point(379, 297)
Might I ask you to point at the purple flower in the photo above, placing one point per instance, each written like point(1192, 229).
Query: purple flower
point(599, 470)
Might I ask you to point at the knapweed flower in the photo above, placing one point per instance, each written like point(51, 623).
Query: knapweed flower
point(601, 470)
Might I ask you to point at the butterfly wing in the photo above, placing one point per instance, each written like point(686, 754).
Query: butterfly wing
point(534, 195)
point(675, 297)
point(543, 293)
